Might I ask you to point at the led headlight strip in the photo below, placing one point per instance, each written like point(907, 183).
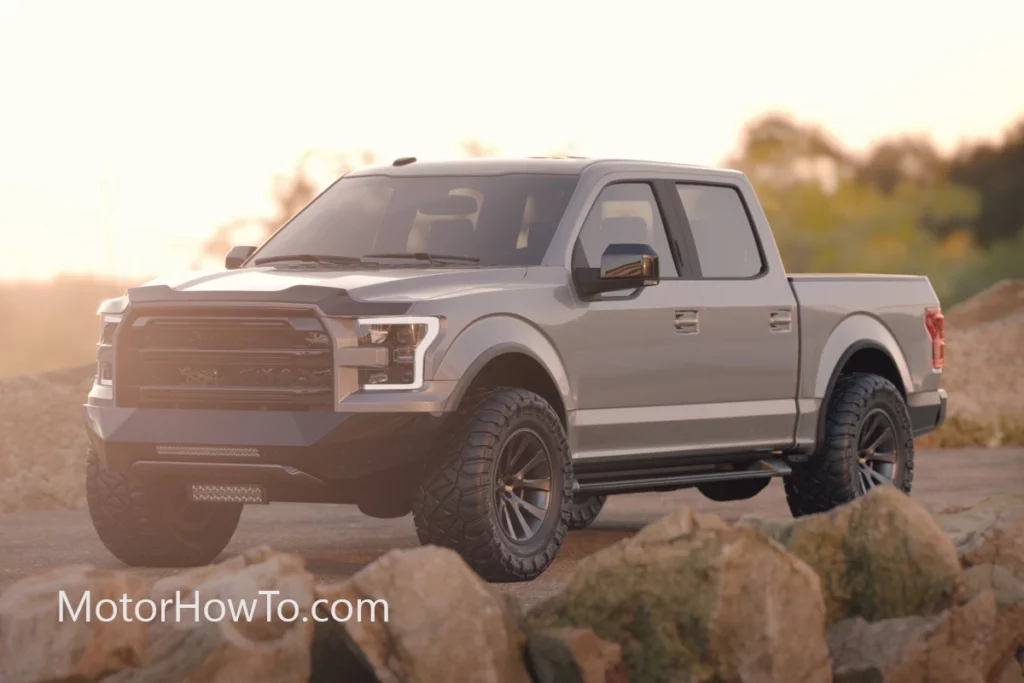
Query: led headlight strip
point(385, 333)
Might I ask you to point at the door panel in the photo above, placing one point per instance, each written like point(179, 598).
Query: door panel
point(749, 323)
point(630, 365)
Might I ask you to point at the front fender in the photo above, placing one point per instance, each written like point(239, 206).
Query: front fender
point(490, 337)
point(852, 334)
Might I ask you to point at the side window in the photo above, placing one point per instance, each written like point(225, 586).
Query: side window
point(626, 213)
point(726, 245)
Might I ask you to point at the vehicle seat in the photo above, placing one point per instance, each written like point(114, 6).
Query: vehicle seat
point(452, 236)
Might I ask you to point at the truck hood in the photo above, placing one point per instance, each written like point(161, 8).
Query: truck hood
point(394, 284)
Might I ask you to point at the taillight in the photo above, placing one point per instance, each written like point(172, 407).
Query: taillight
point(935, 323)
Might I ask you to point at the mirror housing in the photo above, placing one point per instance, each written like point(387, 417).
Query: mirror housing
point(623, 266)
point(237, 256)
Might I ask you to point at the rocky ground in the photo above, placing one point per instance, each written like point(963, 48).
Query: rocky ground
point(876, 591)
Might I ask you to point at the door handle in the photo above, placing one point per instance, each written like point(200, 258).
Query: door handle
point(781, 320)
point(687, 322)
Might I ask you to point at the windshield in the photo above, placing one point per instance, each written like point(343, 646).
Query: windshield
point(502, 220)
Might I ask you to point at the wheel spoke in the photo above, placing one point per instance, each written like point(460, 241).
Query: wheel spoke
point(884, 438)
point(509, 526)
point(517, 508)
point(520, 449)
point(881, 457)
point(865, 477)
point(529, 507)
point(537, 459)
point(534, 484)
point(878, 476)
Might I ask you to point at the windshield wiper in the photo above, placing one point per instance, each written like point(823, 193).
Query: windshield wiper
point(435, 259)
point(325, 259)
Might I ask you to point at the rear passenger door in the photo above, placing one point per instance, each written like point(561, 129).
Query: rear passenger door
point(748, 322)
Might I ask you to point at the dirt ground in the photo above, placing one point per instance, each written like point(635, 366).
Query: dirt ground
point(337, 540)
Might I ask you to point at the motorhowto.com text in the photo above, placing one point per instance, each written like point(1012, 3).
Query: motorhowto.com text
point(190, 607)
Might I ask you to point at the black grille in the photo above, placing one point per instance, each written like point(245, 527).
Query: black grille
point(227, 359)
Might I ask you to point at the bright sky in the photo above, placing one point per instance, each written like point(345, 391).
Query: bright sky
point(162, 120)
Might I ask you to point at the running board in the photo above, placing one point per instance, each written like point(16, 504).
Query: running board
point(651, 481)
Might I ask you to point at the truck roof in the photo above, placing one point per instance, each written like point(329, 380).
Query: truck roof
point(564, 166)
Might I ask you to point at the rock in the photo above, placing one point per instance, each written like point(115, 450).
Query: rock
point(691, 598)
point(267, 646)
point(880, 557)
point(443, 623)
point(574, 655)
point(1005, 648)
point(989, 533)
point(952, 647)
point(36, 645)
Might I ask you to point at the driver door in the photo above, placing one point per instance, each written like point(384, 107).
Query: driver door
point(631, 354)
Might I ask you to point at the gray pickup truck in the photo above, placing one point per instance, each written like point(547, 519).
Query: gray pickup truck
point(495, 346)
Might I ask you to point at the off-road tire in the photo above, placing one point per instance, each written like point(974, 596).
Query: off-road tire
point(829, 477)
point(724, 491)
point(454, 505)
point(143, 528)
point(584, 510)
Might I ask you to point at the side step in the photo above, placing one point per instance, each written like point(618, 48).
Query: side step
point(650, 480)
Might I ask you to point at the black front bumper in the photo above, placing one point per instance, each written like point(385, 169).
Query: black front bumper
point(290, 452)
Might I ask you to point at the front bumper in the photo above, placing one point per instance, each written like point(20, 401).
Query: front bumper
point(927, 411)
point(290, 452)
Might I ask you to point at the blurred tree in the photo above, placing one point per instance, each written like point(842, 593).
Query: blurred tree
point(908, 158)
point(996, 172)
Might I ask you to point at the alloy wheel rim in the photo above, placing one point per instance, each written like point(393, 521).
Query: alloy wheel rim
point(878, 454)
point(522, 486)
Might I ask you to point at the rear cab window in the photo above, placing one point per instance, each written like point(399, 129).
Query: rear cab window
point(727, 246)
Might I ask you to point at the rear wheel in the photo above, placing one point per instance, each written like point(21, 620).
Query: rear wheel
point(497, 488)
point(155, 527)
point(868, 442)
point(584, 510)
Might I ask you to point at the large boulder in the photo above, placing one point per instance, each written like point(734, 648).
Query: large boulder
point(880, 557)
point(955, 646)
point(989, 533)
point(575, 655)
point(269, 643)
point(691, 598)
point(42, 639)
point(442, 623)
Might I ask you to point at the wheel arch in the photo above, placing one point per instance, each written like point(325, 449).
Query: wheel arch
point(864, 356)
point(506, 350)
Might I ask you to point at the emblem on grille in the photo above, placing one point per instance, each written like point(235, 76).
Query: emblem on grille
point(317, 339)
point(200, 376)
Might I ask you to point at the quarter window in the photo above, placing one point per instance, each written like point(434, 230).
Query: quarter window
point(722, 232)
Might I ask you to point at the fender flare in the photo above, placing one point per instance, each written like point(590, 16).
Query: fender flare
point(486, 339)
point(855, 333)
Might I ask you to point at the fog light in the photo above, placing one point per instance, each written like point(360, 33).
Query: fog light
point(218, 493)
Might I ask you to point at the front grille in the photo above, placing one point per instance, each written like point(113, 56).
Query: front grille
point(224, 359)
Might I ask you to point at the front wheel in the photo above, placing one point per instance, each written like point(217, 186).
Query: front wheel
point(155, 527)
point(497, 487)
point(868, 442)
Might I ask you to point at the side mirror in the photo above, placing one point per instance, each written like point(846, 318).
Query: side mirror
point(237, 256)
point(623, 266)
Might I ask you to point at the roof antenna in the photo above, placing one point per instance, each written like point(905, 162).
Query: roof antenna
point(403, 161)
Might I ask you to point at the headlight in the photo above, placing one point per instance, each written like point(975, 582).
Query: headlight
point(104, 355)
point(398, 346)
